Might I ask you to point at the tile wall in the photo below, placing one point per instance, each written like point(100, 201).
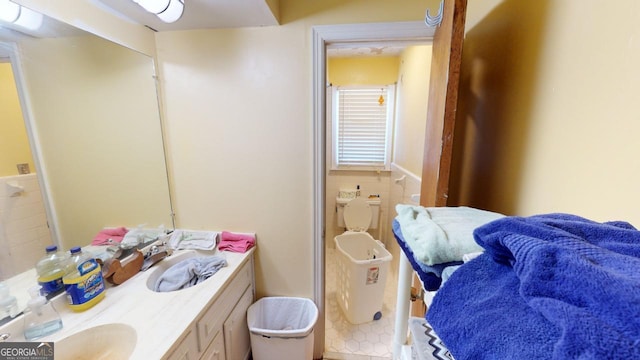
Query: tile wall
point(23, 225)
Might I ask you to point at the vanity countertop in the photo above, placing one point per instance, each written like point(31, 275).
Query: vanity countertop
point(160, 319)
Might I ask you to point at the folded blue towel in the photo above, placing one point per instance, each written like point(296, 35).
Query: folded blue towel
point(189, 272)
point(554, 286)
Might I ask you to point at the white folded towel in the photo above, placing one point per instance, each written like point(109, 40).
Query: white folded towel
point(438, 235)
point(139, 235)
point(195, 240)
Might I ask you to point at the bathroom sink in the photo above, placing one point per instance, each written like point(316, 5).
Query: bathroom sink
point(109, 341)
point(161, 267)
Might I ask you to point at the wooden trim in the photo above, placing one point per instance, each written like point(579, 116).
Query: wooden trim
point(445, 73)
point(441, 113)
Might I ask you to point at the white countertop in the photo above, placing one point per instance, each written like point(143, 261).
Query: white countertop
point(160, 319)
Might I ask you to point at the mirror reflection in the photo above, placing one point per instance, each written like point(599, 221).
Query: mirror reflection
point(80, 143)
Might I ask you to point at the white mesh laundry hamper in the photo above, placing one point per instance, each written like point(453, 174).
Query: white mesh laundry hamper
point(282, 328)
point(361, 274)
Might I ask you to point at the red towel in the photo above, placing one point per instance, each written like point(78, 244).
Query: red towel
point(236, 242)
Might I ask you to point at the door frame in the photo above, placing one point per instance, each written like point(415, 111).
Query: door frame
point(322, 36)
point(10, 51)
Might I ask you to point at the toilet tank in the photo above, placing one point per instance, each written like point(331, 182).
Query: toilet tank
point(374, 205)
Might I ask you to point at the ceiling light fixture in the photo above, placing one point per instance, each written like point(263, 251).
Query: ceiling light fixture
point(11, 12)
point(173, 11)
point(167, 10)
point(154, 6)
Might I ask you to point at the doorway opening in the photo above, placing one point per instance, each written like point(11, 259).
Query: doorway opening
point(332, 41)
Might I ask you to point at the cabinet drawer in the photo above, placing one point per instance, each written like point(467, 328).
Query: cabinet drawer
point(211, 321)
point(215, 351)
point(236, 332)
point(187, 349)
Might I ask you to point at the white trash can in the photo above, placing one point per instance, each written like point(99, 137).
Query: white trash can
point(282, 328)
point(361, 276)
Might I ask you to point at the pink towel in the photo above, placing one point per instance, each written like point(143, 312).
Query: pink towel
point(109, 236)
point(236, 242)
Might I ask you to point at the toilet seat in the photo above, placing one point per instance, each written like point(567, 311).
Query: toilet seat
point(357, 215)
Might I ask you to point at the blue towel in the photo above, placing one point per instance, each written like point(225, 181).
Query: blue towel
point(430, 275)
point(189, 272)
point(553, 286)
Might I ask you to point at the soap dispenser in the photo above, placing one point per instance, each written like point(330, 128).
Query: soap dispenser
point(40, 318)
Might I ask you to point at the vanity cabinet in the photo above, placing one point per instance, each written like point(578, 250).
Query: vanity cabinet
point(220, 332)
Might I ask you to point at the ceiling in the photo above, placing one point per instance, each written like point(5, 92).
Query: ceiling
point(199, 14)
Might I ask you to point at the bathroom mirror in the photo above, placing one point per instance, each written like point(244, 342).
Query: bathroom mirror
point(91, 112)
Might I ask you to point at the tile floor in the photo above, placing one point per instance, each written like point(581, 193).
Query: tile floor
point(369, 341)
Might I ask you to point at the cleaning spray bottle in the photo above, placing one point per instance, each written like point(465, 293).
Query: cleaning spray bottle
point(40, 318)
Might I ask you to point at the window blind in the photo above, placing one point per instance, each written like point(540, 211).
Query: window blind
point(362, 127)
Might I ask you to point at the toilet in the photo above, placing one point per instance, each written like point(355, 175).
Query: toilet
point(362, 263)
point(358, 206)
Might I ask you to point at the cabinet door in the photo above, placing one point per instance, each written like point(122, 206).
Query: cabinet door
point(237, 341)
point(211, 321)
point(215, 351)
point(187, 350)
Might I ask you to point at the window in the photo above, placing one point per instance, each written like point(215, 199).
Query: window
point(361, 127)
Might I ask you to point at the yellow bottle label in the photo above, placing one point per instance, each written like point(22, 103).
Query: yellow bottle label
point(86, 288)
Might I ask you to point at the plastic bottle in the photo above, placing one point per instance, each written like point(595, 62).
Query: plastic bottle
point(40, 318)
point(50, 269)
point(8, 303)
point(83, 281)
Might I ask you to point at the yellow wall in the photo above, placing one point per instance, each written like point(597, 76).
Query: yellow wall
point(381, 70)
point(14, 143)
point(548, 109)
